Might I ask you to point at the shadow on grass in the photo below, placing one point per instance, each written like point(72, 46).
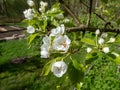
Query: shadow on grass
point(30, 64)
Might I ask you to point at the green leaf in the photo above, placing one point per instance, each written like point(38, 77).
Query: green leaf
point(32, 37)
point(117, 60)
point(118, 21)
point(112, 56)
point(75, 75)
point(104, 1)
point(117, 40)
point(115, 57)
point(88, 41)
point(44, 24)
point(91, 57)
point(77, 65)
point(56, 5)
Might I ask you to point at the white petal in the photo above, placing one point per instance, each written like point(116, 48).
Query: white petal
point(30, 29)
point(46, 40)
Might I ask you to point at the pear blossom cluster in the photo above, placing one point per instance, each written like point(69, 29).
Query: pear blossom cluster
point(101, 42)
point(56, 41)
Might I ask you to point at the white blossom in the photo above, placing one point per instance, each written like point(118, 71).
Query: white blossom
point(89, 50)
point(104, 35)
point(101, 41)
point(59, 68)
point(97, 32)
point(45, 51)
point(61, 43)
point(112, 40)
point(106, 50)
point(58, 31)
point(29, 14)
point(30, 29)
point(45, 48)
point(30, 3)
point(43, 4)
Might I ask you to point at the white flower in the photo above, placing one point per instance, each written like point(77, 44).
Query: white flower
point(45, 48)
point(61, 43)
point(112, 40)
point(30, 29)
point(101, 41)
point(106, 50)
point(43, 4)
point(45, 51)
point(104, 35)
point(29, 14)
point(59, 68)
point(97, 32)
point(58, 31)
point(89, 50)
point(30, 3)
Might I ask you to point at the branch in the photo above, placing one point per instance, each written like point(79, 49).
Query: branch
point(93, 11)
point(70, 12)
point(91, 29)
point(90, 12)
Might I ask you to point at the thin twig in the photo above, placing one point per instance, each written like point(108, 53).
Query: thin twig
point(70, 12)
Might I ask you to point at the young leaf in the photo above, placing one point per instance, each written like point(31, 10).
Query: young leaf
point(32, 37)
point(88, 41)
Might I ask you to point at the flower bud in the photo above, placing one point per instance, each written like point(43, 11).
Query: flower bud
point(101, 41)
point(97, 32)
point(89, 50)
point(106, 50)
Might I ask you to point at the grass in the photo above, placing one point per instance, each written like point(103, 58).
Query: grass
point(13, 49)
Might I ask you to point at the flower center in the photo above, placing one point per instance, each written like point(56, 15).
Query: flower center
point(64, 44)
